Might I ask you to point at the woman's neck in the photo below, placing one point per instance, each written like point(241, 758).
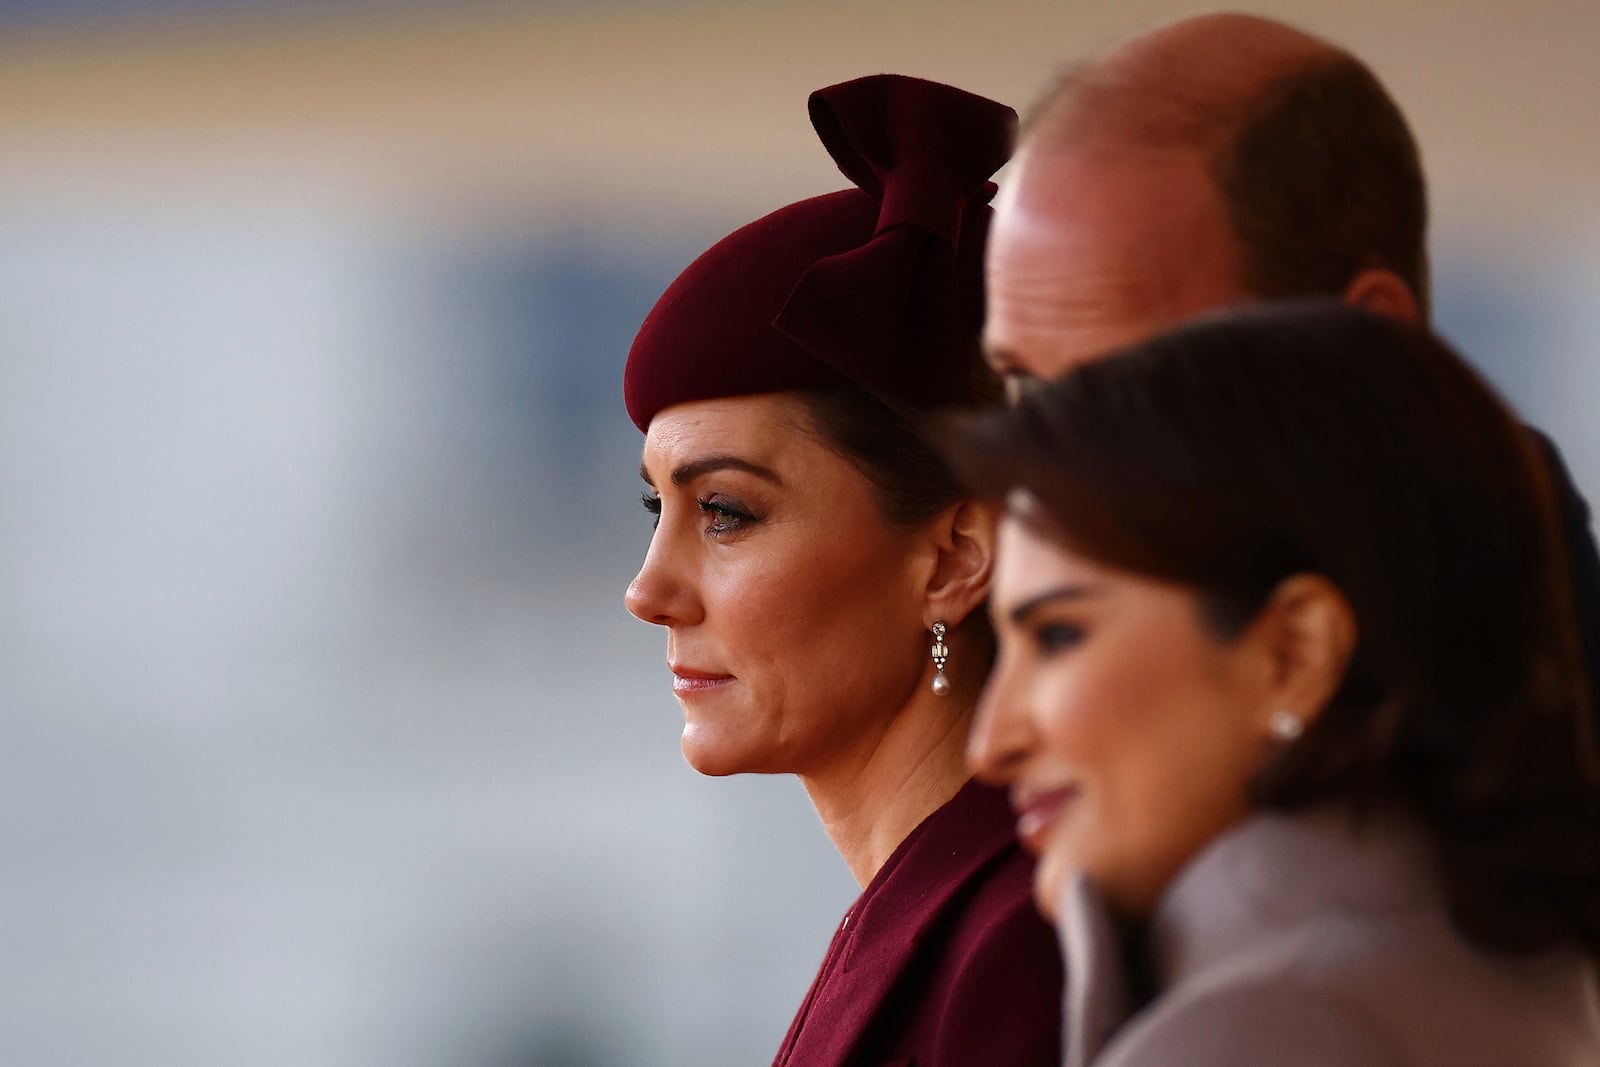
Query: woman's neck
point(871, 799)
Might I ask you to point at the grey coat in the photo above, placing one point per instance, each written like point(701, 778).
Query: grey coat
point(1294, 940)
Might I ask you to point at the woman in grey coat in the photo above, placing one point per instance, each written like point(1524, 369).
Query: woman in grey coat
point(1289, 703)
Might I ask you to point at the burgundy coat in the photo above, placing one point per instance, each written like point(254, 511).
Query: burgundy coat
point(942, 961)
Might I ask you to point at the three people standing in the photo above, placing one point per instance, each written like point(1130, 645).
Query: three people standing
point(1197, 620)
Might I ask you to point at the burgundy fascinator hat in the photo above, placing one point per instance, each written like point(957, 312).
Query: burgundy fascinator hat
point(880, 285)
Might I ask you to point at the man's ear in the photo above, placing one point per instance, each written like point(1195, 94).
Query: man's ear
point(1308, 632)
point(964, 540)
point(1382, 291)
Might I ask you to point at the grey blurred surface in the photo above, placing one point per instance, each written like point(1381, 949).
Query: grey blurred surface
point(324, 737)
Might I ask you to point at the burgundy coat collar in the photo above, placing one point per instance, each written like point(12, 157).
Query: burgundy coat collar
point(922, 880)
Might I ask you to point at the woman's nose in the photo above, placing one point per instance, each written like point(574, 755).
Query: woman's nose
point(660, 593)
point(1001, 737)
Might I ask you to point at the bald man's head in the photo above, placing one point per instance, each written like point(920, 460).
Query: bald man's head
point(1288, 149)
point(1189, 84)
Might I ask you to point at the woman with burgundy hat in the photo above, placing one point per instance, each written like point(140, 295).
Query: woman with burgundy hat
point(822, 577)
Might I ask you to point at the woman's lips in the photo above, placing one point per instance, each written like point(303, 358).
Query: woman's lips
point(688, 681)
point(1037, 811)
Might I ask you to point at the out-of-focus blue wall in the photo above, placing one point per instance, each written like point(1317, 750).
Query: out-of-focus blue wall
point(325, 738)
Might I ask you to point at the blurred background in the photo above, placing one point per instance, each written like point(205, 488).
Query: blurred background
point(324, 737)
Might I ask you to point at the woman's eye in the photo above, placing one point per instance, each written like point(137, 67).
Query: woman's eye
point(725, 516)
point(652, 504)
point(1057, 636)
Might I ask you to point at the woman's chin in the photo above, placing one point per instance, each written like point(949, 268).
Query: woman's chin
point(712, 755)
point(1050, 880)
point(1046, 892)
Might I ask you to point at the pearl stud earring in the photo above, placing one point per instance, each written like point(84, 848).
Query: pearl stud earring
point(1285, 726)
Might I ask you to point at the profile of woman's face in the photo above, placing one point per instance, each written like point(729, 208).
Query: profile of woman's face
point(794, 629)
point(1126, 729)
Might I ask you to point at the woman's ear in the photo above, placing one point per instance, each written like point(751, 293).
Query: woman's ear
point(1308, 632)
point(1382, 292)
point(964, 540)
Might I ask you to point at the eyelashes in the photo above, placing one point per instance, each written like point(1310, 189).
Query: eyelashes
point(1053, 637)
point(724, 516)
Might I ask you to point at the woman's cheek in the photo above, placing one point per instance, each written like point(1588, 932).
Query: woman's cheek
point(1069, 714)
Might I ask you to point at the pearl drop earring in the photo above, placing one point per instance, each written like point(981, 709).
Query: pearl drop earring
point(941, 651)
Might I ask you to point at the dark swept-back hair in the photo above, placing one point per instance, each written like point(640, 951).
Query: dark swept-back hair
point(1242, 449)
point(892, 447)
point(890, 444)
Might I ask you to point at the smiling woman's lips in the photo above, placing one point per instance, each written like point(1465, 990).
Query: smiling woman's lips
point(1037, 811)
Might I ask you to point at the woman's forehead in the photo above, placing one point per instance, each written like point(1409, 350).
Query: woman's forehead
point(1028, 556)
point(770, 429)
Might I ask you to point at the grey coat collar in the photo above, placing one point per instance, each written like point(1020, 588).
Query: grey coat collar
point(1275, 871)
point(1266, 876)
point(1097, 994)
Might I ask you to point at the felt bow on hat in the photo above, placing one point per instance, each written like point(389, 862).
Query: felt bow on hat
point(880, 284)
point(892, 314)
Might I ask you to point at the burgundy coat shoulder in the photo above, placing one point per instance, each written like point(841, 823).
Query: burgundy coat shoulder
point(943, 960)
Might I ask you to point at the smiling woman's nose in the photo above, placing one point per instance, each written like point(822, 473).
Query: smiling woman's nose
point(1000, 738)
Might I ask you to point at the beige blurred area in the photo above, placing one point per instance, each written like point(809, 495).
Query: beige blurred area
point(699, 106)
point(324, 738)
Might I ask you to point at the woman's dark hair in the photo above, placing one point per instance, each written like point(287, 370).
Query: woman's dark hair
point(893, 449)
point(1235, 452)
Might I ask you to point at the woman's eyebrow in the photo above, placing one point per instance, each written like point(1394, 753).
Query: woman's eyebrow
point(1020, 613)
point(697, 468)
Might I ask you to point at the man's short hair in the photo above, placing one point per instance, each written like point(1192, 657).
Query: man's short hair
point(1317, 170)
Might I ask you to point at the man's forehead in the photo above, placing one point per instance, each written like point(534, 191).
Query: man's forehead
point(1095, 248)
point(1100, 189)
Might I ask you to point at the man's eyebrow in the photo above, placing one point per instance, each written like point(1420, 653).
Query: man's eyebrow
point(1003, 361)
point(720, 461)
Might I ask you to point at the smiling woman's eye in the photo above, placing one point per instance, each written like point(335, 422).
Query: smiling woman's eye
point(652, 504)
point(1057, 636)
